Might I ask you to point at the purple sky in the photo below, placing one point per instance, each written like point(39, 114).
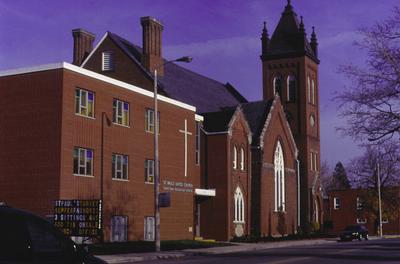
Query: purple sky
point(222, 36)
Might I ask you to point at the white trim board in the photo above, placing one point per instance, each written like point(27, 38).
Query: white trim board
point(97, 76)
point(95, 48)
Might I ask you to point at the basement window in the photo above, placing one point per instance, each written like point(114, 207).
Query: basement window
point(107, 61)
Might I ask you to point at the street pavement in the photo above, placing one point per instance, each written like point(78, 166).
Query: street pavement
point(373, 251)
point(306, 251)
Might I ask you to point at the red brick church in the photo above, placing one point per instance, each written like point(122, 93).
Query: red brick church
point(231, 166)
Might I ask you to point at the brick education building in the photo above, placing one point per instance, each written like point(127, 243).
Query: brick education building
point(346, 208)
point(85, 131)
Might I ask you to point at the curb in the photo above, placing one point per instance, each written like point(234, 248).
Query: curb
point(127, 258)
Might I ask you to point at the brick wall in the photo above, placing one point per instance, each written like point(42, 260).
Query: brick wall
point(30, 139)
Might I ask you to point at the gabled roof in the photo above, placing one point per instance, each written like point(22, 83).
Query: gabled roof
point(218, 121)
point(289, 37)
point(256, 114)
point(206, 94)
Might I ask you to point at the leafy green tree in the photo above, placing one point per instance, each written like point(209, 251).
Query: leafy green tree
point(339, 179)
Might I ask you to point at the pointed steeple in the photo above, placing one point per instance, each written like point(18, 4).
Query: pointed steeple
point(301, 26)
point(264, 40)
point(314, 43)
point(289, 38)
point(288, 7)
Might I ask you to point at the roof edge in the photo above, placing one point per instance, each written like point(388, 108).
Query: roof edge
point(98, 76)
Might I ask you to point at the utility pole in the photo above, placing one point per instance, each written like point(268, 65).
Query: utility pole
point(156, 167)
point(379, 198)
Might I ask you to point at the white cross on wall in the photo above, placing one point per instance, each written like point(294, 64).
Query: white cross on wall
point(186, 133)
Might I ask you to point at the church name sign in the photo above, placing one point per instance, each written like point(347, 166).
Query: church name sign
point(177, 186)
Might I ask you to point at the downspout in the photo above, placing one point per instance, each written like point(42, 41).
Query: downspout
point(298, 193)
point(205, 161)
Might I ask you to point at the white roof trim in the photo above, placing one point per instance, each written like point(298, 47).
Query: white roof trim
point(95, 48)
point(45, 67)
point(205, 192)
point(68, 66)
point(198, 117)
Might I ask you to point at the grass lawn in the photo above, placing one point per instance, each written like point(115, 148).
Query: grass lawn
point(146, 246)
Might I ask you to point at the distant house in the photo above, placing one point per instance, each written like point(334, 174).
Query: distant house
point(347, 207)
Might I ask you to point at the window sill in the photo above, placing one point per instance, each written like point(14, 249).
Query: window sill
point(239, 222)
point(85, 116)
point(82, 175)
point(152, 183)
point(151, 132)
point(121, 125)
point(122, 180)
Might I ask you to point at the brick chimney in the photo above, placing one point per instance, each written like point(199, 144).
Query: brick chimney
point(152, 55)
point(83, 45)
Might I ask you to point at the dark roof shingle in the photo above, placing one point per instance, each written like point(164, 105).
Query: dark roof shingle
point(256, 114)
point(179, 83)
point(218, 121)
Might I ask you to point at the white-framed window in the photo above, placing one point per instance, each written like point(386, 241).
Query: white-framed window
point(359, 203)
point(277, 83)
point(149, 120)
point(107, 61)
point(84, 102)
point(385, 220)
point(234, 160)
point(119, 228)
point(149, 170)
point(336, 203)
point(312, 92)
point(119, 166)
point(198, 130)
point(239, 206)
point(242, 161)
point(279, 167)
point(308, 89)
point(120, 112)
point(83, 161)
point(149, 228)
point(361, 220)
point(291, 88)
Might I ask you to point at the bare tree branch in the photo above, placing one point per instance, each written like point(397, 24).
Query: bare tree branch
point(371, 102)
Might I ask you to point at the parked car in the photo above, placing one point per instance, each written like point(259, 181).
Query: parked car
point(354, 232)
point(27, 238)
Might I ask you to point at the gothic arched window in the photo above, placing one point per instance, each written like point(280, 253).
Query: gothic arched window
point(291, 88)
point(278, 85)
point(308, 89)
point(234, 157)
point(279, 166)
point(239, 206)
point(313, 92)
point(242, 159)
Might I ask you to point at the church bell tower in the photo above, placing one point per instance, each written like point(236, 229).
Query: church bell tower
point(290, 69)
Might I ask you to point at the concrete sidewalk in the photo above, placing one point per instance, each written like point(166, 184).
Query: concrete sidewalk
point(238, 247)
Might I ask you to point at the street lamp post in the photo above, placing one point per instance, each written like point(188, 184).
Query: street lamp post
point(156, 168)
